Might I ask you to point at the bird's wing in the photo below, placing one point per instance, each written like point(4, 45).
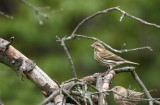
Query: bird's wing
point(135, 94)
point(110, 56)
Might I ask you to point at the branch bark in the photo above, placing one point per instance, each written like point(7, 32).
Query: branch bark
point(21, 64)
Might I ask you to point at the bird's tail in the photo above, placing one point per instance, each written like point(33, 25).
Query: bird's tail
point(131, 62)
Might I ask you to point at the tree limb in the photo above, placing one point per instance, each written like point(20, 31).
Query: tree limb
point(20, 63)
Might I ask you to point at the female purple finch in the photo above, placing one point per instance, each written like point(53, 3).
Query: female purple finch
point(107, 58)
point(126, 97)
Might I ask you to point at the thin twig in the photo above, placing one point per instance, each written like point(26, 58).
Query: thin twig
point(136, 18)
point(156, 101)
point(124, 69)
point(35, 9)
point(84, 93)
point(1, 103)
point(90, 100)
point(38, 11)
point(28, 4)
point(105, 12)
point(99, 85)
point(7, 16)
point(118, 51)
point(65, 92)
point(140, 83)
point(90, 17)
point(92, 86)
point(71, 80)
point(50, 98)
point(87, 19)
point(68, 56)
point(53, 95)
point(75, 85)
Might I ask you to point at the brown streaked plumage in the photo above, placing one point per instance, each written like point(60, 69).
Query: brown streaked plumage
point(107, 58)
point(133, 97)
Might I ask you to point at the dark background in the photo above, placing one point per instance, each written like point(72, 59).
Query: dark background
point(38, 42)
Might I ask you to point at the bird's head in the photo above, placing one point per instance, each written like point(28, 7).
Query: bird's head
point(97, 46)
point(118, 88)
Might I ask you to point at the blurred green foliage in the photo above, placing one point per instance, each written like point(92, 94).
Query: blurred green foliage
point(38, 42)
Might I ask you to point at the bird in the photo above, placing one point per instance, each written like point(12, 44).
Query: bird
point(106, 58)
point(126, 96)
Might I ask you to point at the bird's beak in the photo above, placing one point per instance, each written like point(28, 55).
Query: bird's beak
point(92, 46)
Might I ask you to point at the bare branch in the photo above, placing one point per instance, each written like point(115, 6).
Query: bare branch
point(136, 18)
point(38, 13)
point(124, 69)
point(118, 51)
point(50, 98)
point(105, 12)
point(140, 83)
point(29, 4)
point(1, 103)
point(90, 101)
point(122, 17)
point(92, 79)
point(71, 97)
point(103, 84)
point(87, 19)
point(20, 63)
point(59, 100)
point(101, 99)
point(7, 16)
point(35, 9)
point(68, 56)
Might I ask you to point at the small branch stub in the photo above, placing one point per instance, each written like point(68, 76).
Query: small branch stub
point(5, 44)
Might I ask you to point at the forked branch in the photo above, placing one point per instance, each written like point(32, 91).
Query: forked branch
point(38, 11)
